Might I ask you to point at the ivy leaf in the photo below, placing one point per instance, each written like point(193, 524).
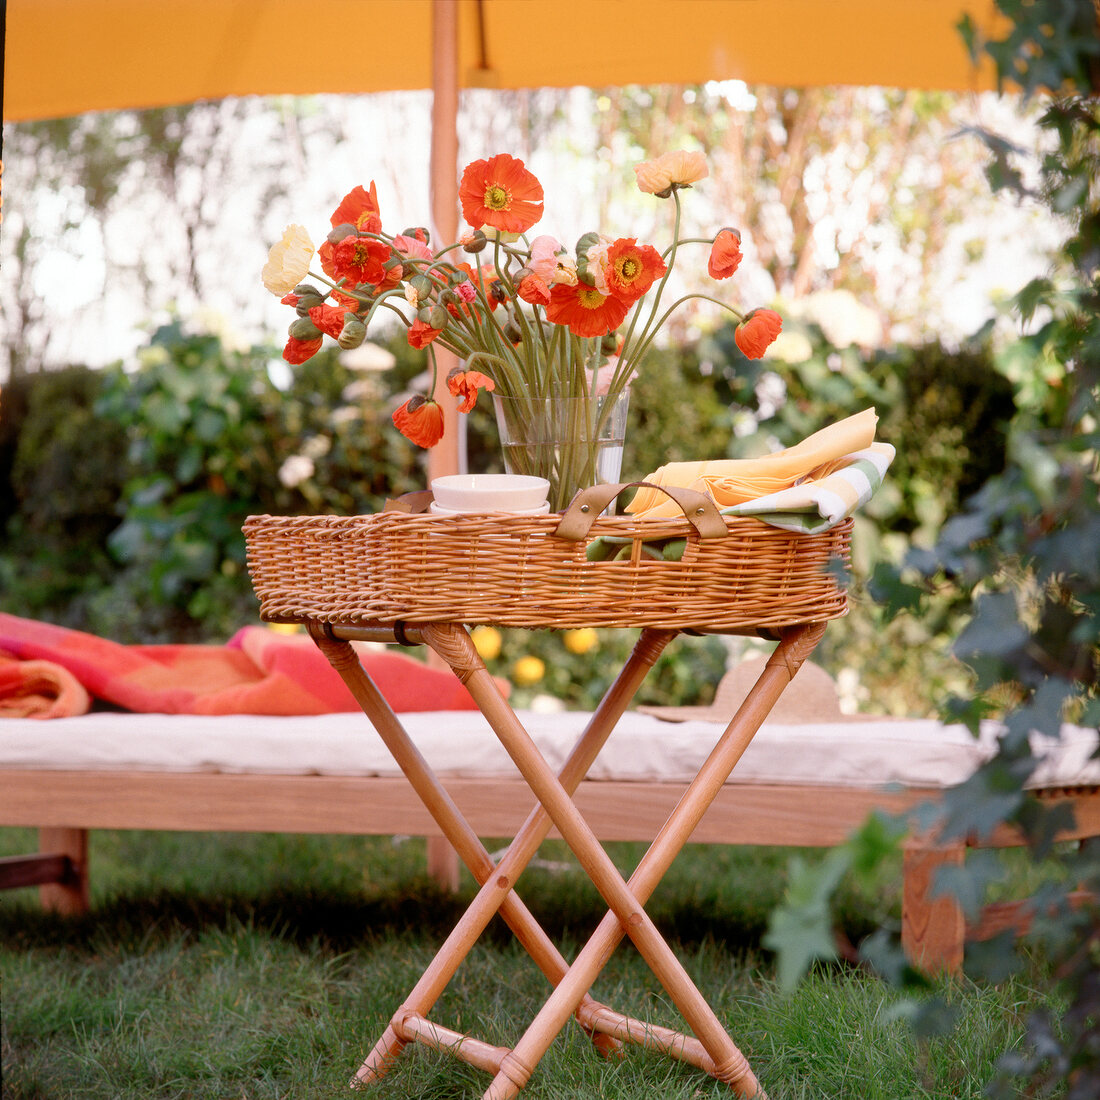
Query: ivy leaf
point(968, 884)
point(800, 929)
point(1042, 713)
point(987, 799)
point(995, 959)
point(994, 630)
point(877, 838)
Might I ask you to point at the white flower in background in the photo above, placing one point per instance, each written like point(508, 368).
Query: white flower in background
point(771, 394)
point(295, 470)
point(345, 414)
point(791, 347)
point(842, 318)
point(362, 390)
point(317, 446)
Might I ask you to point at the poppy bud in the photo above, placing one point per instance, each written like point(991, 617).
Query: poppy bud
point(353, 333)
point(438, 317)
point(308, 297)
point(512, 333)
point(448, 297)
point(423, 286)
point(498, 292)
point(339, 232)
point(475, 243)
point(609, 343)
point(304, 329)
point(418, 233)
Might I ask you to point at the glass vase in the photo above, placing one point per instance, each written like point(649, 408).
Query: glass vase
point(573, 442)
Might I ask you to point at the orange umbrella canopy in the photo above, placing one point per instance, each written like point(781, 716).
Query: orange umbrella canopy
point(63, 57)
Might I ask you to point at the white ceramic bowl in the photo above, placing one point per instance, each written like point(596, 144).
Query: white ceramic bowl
point(438, 510)
point(490, 492)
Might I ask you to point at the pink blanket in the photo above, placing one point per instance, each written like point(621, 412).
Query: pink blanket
point(50, 671)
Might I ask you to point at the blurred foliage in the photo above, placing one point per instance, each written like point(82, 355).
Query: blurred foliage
point(64, 473)
point(1020, 562)
point(167, 456)
point(131, 486)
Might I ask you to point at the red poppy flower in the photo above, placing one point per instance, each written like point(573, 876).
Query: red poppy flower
point(356, 259)
point(533, 290)
point(466, 384)
point(725, 254)
point(584, 310)
point(500, 192)
point(359, 208)
point(757, 331)
point(420, 420)
point(298, 351)
point(421, 334)
point(329, 319)
point(632, 269)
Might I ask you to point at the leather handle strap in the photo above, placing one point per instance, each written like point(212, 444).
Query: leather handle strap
point(698, 508)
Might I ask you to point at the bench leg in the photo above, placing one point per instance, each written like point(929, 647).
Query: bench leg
point(70, 896)
point(932, 929)
point(443, 863)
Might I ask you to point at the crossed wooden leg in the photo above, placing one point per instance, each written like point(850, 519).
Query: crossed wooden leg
point(710, 1048)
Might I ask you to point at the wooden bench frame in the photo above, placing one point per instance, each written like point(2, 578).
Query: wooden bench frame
point(65, 805)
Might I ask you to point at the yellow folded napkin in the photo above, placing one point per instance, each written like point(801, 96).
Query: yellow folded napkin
point(734, 481)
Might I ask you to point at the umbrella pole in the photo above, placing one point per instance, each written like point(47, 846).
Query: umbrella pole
point(444, 458)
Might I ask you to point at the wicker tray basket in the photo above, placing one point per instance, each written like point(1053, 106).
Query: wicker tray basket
point(535, 571)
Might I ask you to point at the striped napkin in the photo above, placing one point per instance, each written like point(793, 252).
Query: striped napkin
point(824, 499)
point(809, 487)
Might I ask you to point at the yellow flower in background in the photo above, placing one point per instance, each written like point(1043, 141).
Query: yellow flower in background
point(288, 261)
point(285, 628)
point(528, 670)
point(487, 641)
point(580, 641)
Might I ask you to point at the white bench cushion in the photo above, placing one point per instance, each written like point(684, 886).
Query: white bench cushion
point(862, 753)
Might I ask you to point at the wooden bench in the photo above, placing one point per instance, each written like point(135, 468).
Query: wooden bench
point(67, 777)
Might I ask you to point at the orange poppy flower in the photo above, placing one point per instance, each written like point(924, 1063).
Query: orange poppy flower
point(421, 334)
point(533, 290)
point(359, 208)
point(584, 310)
point(356, 259)
point(298, 351)
point(500, 192)
point(725, 254)
point(757, 331)
point(466, 384)
point(420, 420)
point(349, 303)
point(632, 268)
point(329, 319)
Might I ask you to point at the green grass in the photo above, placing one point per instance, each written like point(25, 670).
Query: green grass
point(237, 967)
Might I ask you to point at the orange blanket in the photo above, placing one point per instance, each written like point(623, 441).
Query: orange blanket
point(49, 671)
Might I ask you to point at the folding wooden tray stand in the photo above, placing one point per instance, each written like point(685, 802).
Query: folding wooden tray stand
point(338, 577)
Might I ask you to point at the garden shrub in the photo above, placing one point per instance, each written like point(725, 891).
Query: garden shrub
point(178, 449)
point(64, 474)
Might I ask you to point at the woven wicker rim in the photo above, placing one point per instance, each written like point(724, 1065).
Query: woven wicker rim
point(508, 570)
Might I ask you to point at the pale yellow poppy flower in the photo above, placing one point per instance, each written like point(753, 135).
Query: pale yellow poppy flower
point(676, 169)
point(288, 261)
